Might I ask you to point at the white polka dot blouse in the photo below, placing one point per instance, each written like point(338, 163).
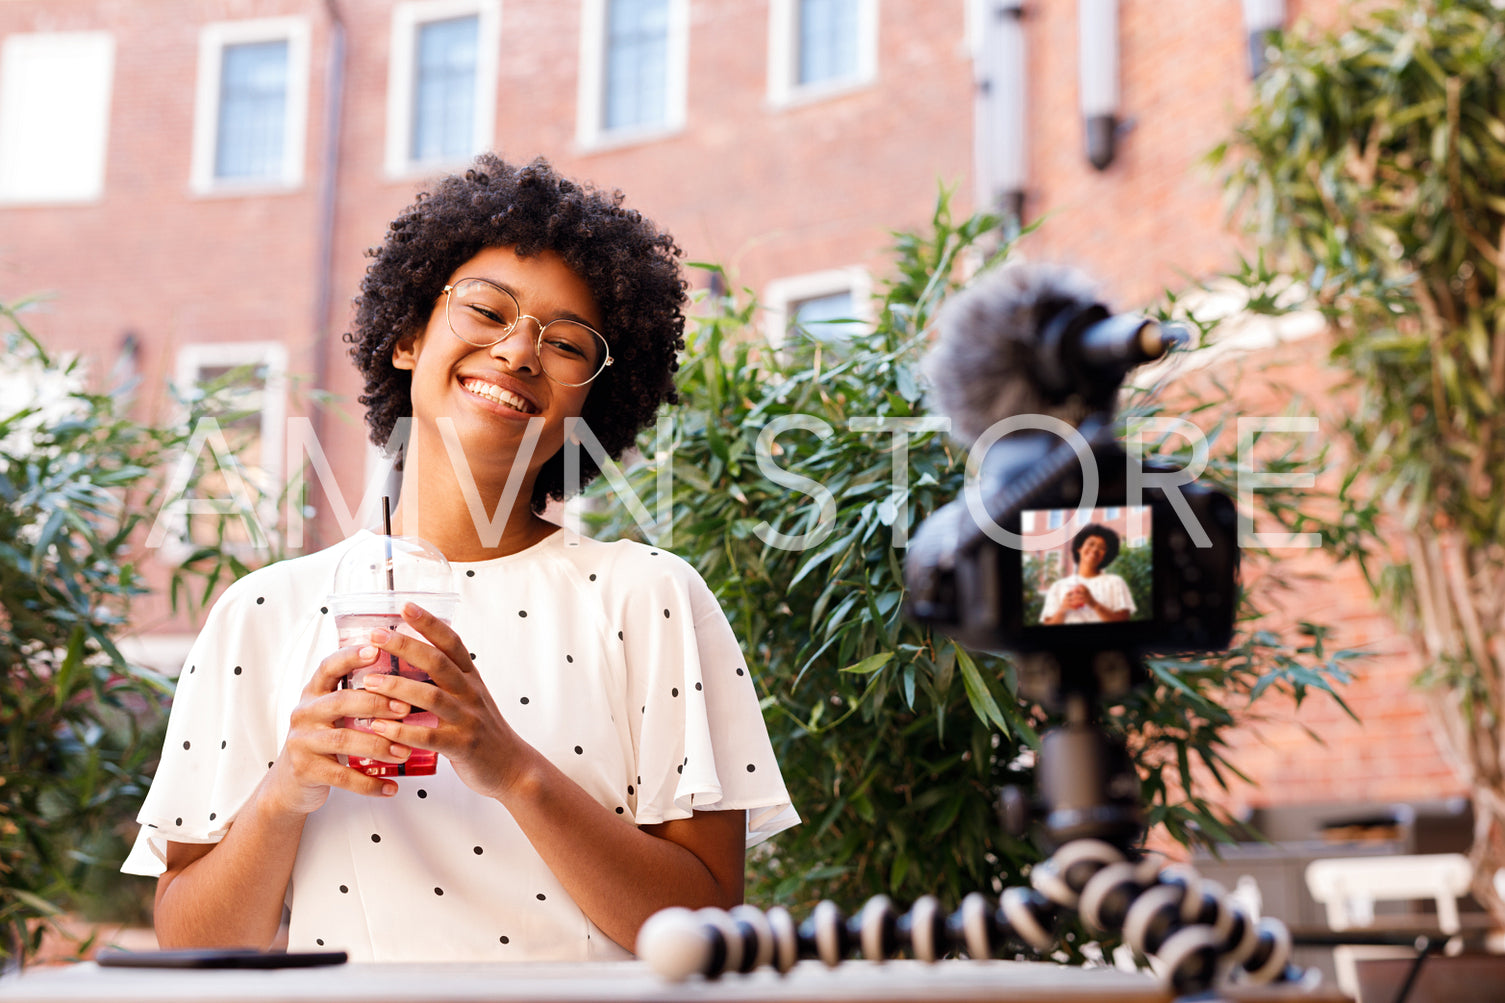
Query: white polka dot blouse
point(612, 659)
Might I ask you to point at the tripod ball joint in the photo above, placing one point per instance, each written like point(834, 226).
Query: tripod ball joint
point(679, 943)
point(1193, 929)
point(1064, 875)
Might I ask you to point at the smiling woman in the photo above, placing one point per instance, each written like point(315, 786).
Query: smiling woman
point(1089, 595)
point(601, 753)
point(630, 267)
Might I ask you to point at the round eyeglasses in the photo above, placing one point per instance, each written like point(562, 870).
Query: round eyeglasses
point(482, 313)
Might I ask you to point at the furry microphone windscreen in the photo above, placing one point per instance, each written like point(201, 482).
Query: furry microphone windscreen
point(984, 365)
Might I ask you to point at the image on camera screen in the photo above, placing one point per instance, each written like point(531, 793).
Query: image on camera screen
point(1083, 567)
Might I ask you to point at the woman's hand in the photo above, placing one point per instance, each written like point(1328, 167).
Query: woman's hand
point(472, 734)
point(617, 872)
point(305, 770)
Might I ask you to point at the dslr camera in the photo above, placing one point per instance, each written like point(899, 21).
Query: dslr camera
point(1064, 548)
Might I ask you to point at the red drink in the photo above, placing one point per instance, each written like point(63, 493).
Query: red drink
point(355, 629)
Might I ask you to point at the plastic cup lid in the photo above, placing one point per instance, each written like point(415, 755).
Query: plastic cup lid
point(379, 563)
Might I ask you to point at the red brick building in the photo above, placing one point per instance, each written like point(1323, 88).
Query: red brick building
point(194, 183)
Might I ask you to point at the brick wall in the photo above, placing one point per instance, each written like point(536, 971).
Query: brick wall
point(767, 192)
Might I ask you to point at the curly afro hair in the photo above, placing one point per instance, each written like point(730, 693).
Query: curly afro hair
point(1108, 536)
point(630, 265)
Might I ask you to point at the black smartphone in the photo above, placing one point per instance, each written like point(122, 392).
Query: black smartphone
point(215, 957)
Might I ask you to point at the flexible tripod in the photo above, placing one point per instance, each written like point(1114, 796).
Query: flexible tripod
point(1197, 932)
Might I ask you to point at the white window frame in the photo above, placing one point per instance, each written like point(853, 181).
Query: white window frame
point(407, 17)
point(590, 131)
point(77, 115)
point(783, 294)
point(784, 88)
point(192, 360)
point(213, 40)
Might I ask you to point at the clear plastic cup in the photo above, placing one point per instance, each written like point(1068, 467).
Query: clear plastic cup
point(374, 580)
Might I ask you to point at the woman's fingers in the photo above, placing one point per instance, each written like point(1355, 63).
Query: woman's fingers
point(405, 735)
point(326, 678)
point(440, 634)
point(353, 742)
point(436, 663)
point(410, 691)
point(324, 772)
point(320, 732)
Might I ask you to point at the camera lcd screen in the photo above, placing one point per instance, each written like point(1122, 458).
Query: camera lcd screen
point(1083, 567)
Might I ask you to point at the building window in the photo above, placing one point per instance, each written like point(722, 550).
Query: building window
point(242, 387)
point(444, 89)
point(441, 93)
point(251, 107)
point(252, 110)
point(55, 115)
point(634, 58)
point(637, 63)
point(827, 41)
point(818, 48)
point(829, 307)
point(829, 317)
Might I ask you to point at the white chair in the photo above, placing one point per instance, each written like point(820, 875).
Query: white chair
point(1349, 887)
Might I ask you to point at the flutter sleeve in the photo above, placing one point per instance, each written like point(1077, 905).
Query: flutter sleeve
point(1119, 596)
point(222, 734)
point(700, 739)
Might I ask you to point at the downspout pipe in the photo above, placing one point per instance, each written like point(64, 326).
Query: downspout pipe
point(1097, 78)
point(329, 182)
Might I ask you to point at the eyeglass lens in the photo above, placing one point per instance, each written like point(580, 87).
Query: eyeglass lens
point(483, 314)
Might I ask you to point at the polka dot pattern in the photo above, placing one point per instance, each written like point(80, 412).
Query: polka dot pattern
point(672, 655)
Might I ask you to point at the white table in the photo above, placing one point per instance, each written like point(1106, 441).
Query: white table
point(608, 982)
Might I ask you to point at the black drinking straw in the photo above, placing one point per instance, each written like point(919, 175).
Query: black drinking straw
point(386, 525)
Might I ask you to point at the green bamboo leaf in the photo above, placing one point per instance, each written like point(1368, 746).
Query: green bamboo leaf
point(978, 693)
point(869, 665)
